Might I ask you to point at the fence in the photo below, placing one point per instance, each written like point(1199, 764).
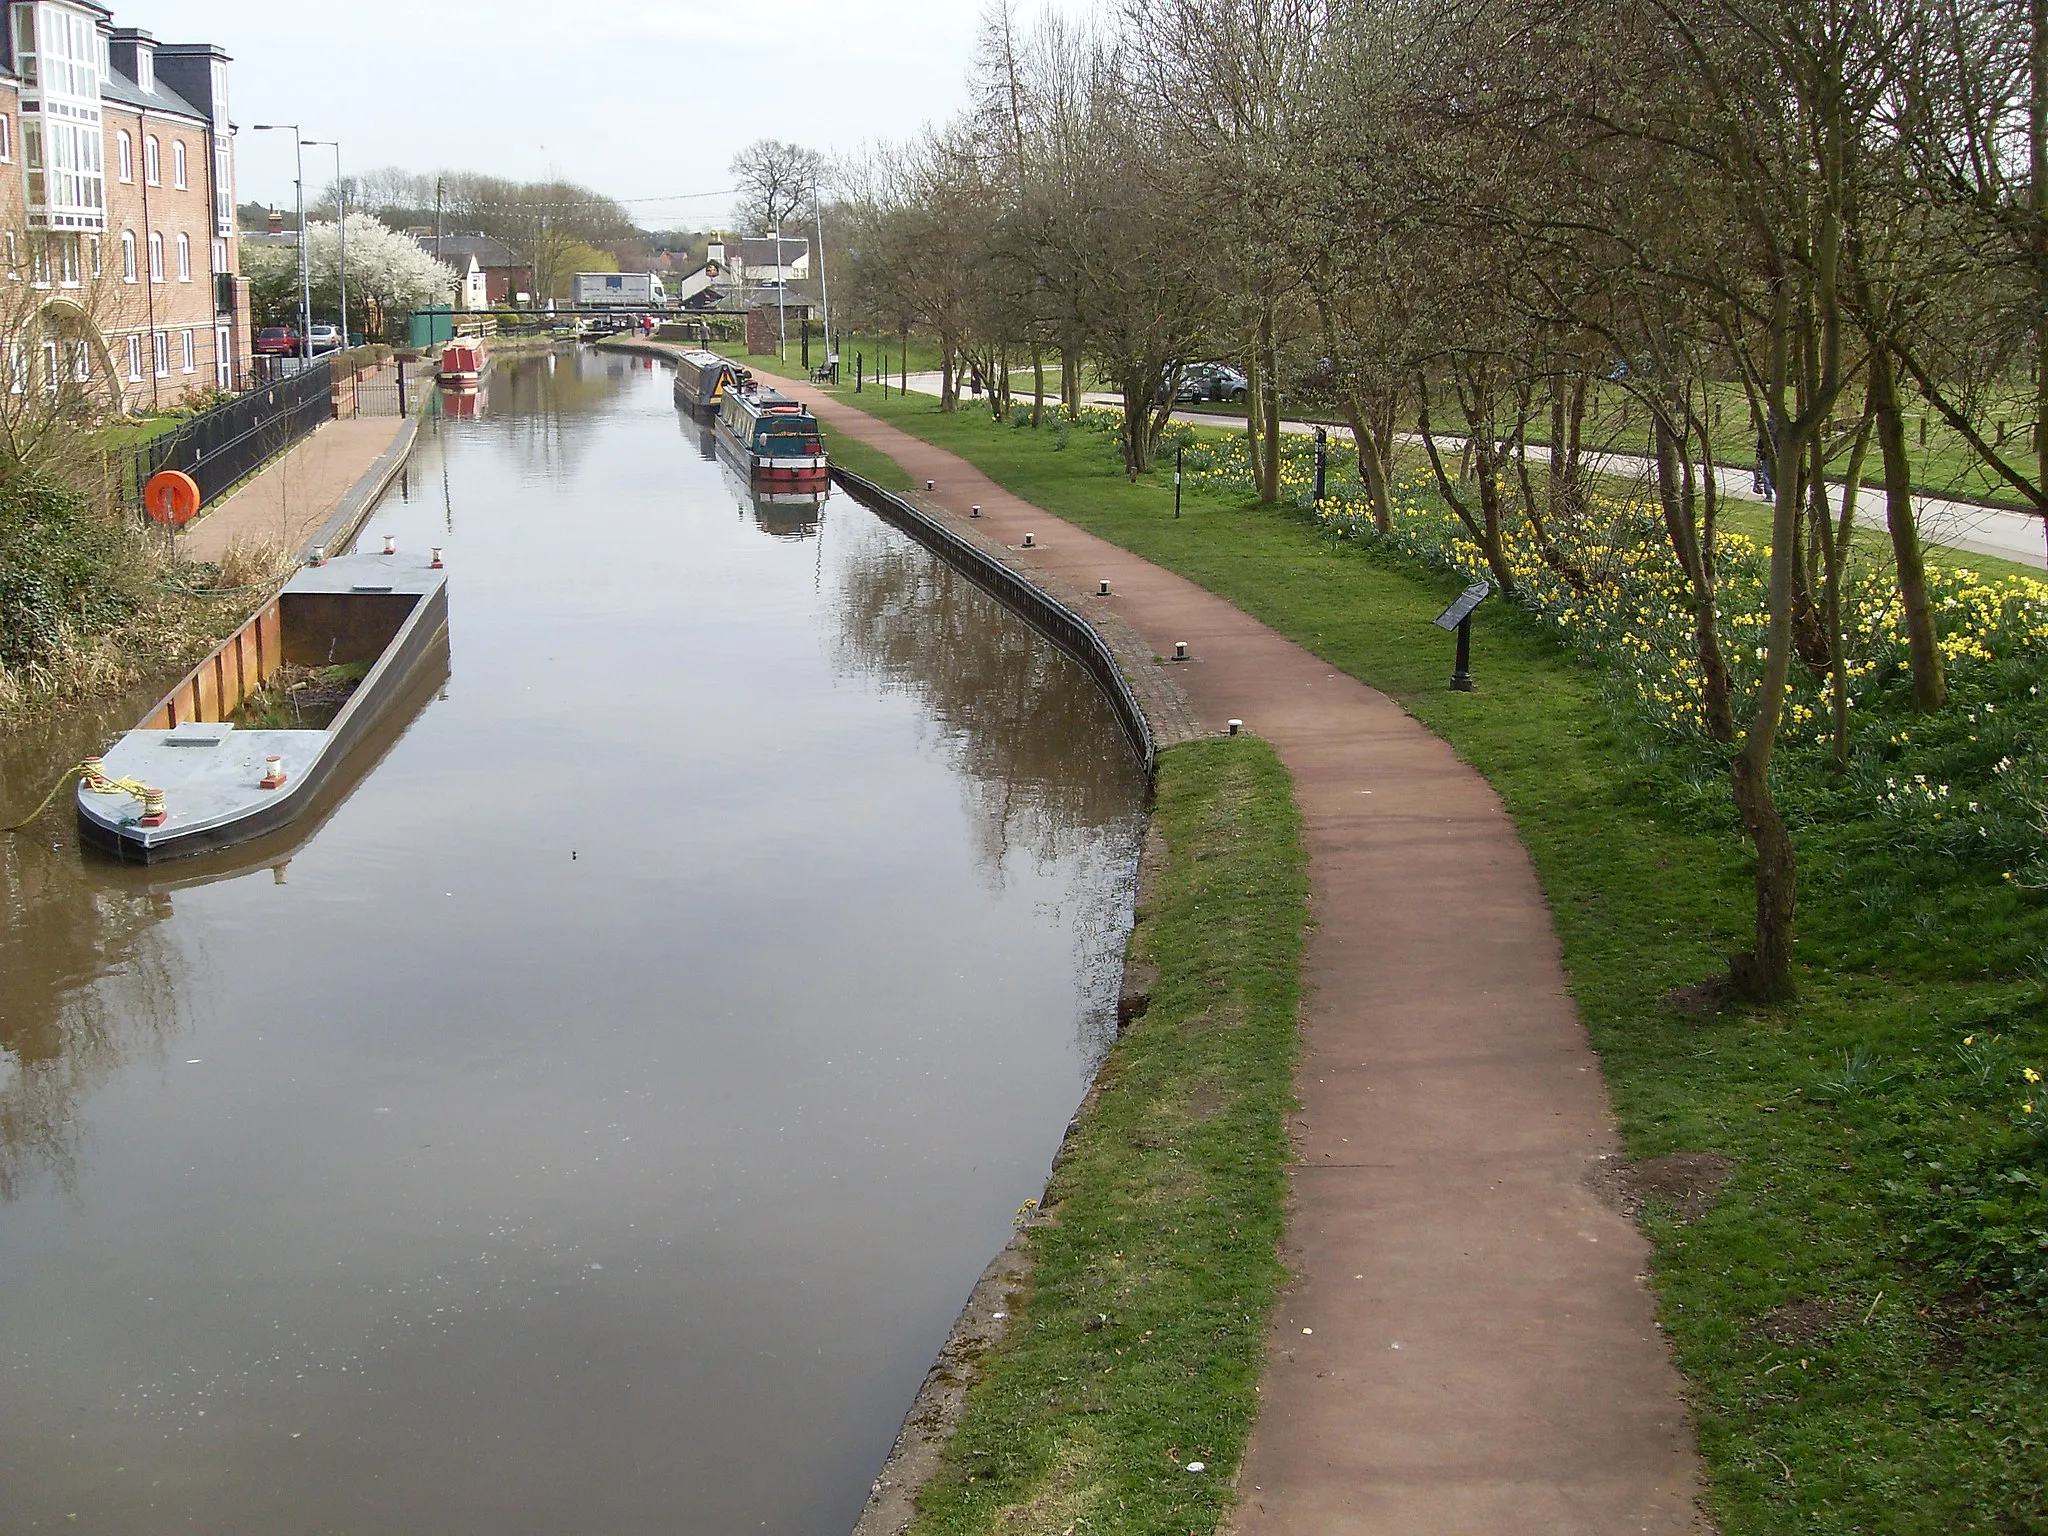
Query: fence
point(224, 445)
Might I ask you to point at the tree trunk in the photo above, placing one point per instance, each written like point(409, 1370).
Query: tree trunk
point(949, 381)
point(1764, 974)
point(1037, 383)
point(1254, 423)
point(1373, 467)
point(1268, 404)
point(1930, 685)
point(1485, 529)
point(1840, 545)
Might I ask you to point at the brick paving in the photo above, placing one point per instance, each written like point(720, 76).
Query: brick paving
point(292, 498)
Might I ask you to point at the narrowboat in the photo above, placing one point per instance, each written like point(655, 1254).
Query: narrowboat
point(464, 362)
point(773, 440)
point(702, 379)
point(245, 741)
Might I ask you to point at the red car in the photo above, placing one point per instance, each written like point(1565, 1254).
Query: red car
point(276, 341)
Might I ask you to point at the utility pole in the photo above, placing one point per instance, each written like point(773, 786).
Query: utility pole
point(305, 270)
point(340, 229)
point(781, 291)
point(824, 293)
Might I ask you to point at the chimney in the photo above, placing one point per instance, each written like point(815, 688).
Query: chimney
point(276, 222)
point(715, 251)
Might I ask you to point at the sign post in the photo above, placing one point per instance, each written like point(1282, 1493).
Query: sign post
point(1322, 460)
point(1178, 450)
point(1459, 617)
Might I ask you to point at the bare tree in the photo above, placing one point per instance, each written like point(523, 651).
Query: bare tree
point(776, 181)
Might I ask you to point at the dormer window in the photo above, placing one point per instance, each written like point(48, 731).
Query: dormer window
point(145, 69)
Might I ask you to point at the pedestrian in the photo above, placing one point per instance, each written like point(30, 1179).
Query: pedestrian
point(1765, 481)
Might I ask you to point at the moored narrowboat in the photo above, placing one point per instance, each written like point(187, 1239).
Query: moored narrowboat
point(773, 439)
point(464, 362)
point(702, 379)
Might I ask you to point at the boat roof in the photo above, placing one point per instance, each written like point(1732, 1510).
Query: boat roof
point(699, 358)
point(408, 571)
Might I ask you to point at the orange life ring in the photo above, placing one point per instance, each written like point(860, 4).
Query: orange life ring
point(171, 496)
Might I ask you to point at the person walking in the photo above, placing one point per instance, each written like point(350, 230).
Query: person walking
point(1765, 480)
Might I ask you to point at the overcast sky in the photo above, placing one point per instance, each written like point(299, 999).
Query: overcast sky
point(640, 99)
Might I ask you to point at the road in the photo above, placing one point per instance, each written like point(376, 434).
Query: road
point(1962, 525)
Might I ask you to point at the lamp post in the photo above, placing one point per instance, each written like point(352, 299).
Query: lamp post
point(305, 272)
point(340, 229)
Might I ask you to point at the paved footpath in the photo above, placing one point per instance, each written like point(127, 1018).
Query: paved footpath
point(1964, 525)
point(1468, 1344)
point(292, 498)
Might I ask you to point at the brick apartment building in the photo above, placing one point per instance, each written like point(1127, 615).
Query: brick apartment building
point(117, 208)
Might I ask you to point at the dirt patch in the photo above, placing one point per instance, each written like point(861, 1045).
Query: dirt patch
point(1207, 1102)
point(1135, 996)
point(1689, 1181)
point(1801, 1324)
point(1702, 999)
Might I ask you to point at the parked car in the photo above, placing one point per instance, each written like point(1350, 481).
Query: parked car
point(325, 338)
point(276, 341)
point(1211, 381)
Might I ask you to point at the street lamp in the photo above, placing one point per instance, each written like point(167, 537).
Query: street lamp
point(340, 229)
point(305, 272)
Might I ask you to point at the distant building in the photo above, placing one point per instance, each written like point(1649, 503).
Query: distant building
point(117, 205)
point(757, 274)
point(488, 270)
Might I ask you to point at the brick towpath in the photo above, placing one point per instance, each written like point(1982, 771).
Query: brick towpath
point(290, 499)
point(1468, 1344)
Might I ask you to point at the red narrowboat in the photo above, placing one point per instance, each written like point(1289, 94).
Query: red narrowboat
point(465, 361)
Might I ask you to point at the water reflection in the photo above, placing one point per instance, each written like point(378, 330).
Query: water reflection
point(1044, 769)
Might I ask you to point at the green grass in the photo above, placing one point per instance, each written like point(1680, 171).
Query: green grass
point(1136, 1349)
point(1891, 1399)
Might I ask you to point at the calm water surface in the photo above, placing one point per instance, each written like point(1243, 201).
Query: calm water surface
point(592, 1120)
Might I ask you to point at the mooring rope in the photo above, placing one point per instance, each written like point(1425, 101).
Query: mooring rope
point(91, 773)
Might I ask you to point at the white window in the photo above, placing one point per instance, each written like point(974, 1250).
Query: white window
point(134, 357)
point(220, 255)
point(17, 367)
point(223, 187)
point(152, 169)
point(53, 366)
point(39, 265)
point(124, 155)
point(127, 255)
point(67, 260)
point(223, 358)
point(191, 352)
point(13, 257)
point(184, 258)
point(156, 256)
point(160, 345)
point(177, 162)
point(145, 69)
point(81, 361)
point(6, 137)
point(94, 242)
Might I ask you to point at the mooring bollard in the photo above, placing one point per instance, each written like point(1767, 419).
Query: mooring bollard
point(1236, 726)
point(1102, 589)
point(975, 510)
point(1027, 541)
point(1180, 650)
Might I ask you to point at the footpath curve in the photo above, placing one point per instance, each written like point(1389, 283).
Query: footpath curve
point(1468, 1344)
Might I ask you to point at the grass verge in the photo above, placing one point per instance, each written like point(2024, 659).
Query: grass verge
point(1136, 1348)
point(1839, 1383)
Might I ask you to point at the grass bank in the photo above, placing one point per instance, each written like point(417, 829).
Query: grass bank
point(1135, 1348)
point(1847, 1373)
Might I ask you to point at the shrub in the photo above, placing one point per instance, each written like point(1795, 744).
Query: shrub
point(66, 569)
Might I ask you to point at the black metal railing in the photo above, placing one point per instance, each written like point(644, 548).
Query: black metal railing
point(224, 445)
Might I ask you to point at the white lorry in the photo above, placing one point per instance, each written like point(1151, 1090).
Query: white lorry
point(619, 290)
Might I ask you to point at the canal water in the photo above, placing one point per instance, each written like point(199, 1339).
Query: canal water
point(592, 1119)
